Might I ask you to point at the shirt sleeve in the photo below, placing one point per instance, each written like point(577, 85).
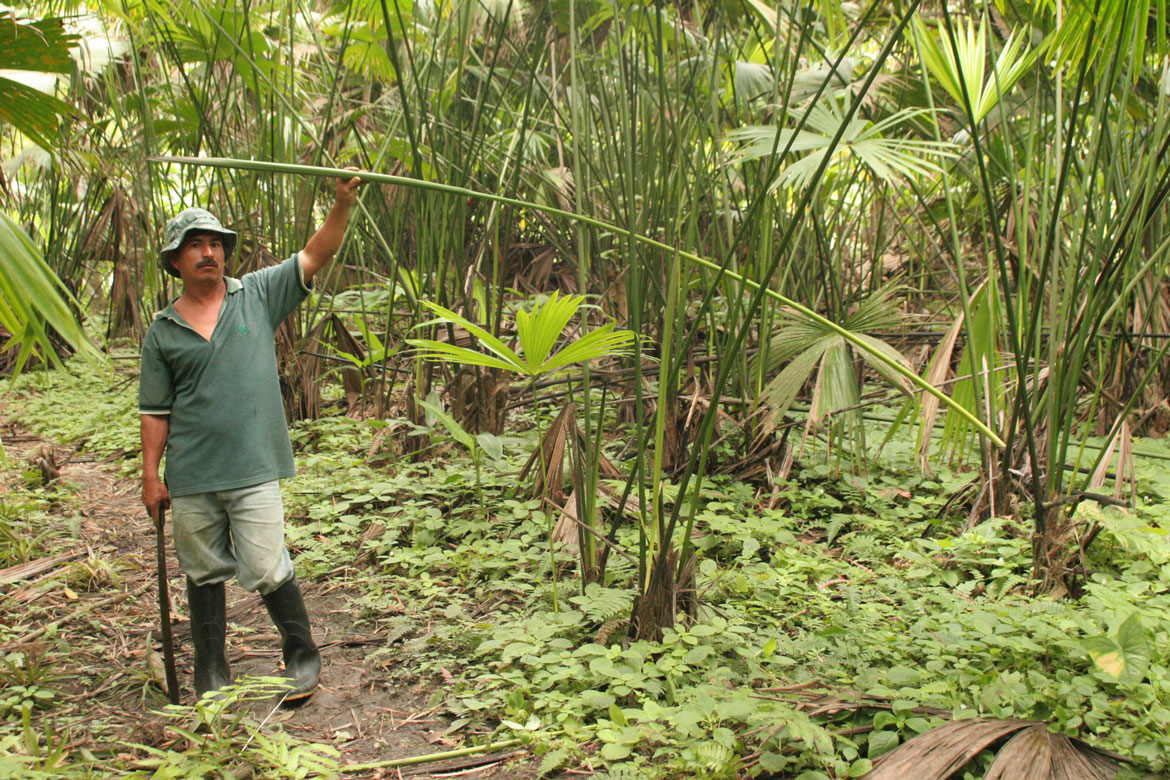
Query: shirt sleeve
point(282, 288)
point(156, 394)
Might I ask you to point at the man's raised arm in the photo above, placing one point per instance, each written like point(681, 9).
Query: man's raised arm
point(321, 248)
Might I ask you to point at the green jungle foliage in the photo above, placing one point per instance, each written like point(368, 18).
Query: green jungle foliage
point(683, 363)
point(846, 584)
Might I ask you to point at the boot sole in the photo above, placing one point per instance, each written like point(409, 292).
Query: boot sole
point(297, 698)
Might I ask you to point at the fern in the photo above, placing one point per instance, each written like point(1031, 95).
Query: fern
point(1001, 587)
point(834, 526)
point(936, 688)
point(399, 627)
point(609, 629)
point(621, 772)
point(552, 761)
point(710, 756)
point(603, 604)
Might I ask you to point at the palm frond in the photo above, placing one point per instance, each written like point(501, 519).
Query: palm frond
point(34, 297)
point(959, 65)
point(429, 349)
point(891, 159)
point(602, 342)
point(779, 393)
point(837, 387)
point(502, 350)
point(540, 329)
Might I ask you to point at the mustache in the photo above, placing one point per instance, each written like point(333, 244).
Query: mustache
point(203, 263)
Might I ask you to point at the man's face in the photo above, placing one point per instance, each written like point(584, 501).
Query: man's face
point(200, 257)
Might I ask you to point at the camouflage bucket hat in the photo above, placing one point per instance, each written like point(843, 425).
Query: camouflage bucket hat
point(193, 221)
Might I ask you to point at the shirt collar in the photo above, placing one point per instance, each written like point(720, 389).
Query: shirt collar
point(169, 313)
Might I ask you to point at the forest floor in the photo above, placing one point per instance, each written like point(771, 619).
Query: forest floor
point(839, 620)
point(110, 689)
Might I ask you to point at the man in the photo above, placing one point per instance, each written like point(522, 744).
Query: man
point(209, 395)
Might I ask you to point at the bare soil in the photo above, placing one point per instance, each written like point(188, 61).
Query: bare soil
point(108, 624)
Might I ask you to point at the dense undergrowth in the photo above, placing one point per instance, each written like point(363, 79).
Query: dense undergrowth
point(859, 588)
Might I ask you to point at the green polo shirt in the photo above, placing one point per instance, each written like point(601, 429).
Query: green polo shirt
point(227, 427)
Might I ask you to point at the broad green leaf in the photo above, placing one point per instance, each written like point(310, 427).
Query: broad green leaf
point(30, 111)
point(453, 427)
point(881, 742)
point(1125, 657)
point(41, 46)
point(492, 445)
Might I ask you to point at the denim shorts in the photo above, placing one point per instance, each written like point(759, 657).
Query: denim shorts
point(233, 532)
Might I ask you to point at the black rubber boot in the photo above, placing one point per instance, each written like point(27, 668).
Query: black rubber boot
point(302, 661)
point(208, 631)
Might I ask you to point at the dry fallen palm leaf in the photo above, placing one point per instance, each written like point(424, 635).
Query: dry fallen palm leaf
point(940, 752)
point(1035, 753)
point(565, 534)
point(155, 665)
point(548, 459)
point(1032, 754)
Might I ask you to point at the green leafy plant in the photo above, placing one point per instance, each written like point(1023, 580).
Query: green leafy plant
point(538, 332)
point(33, 300)
point(41, 47)
point(478, 445)
point(959, 62)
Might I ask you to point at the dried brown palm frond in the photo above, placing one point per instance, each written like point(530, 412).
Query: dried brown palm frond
point(112, 237)
point(547, 461)
point(939, 371)
point(1031, 753)
point(1035, 753)
point(566, 531)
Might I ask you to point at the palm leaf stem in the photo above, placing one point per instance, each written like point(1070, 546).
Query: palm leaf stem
point(1021, 409)
point(955, 246)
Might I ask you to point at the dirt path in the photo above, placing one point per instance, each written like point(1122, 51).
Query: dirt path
point(105, 595)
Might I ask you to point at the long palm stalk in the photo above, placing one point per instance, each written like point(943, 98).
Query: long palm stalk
point(320, 171)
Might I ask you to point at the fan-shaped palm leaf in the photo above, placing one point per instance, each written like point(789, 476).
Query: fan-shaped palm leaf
point(1032, 753)
point(538, 331)
point(961, 66)
point(807, 347)
point(890, 159)
point(430, 349)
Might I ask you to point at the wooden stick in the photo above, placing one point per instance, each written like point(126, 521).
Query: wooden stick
point(430, 758)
